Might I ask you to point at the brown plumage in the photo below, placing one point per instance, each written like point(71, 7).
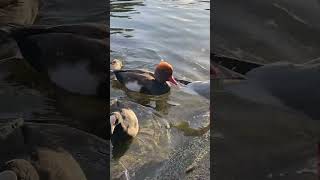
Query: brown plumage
point(124, 125)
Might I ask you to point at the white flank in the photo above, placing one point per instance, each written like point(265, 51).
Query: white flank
point(133, 86)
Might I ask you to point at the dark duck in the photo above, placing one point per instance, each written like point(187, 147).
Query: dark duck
point(72, 56)
point(146, 82)
point(67, 63)
point(201, 88)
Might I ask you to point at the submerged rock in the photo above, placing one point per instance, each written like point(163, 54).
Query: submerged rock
point(190, 161)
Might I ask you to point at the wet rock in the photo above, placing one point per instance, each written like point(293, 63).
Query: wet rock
point(90, 152)
point(190, 161)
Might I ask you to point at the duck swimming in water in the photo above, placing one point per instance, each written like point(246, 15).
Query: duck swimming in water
point(72, 56)
point(201, 88)
point(146, 82)
point(124, 125)
point(116, 64)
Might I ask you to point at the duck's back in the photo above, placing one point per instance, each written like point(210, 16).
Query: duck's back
point(141, 81)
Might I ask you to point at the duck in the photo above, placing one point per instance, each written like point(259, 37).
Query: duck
point(201, 88)
point(116, 64)
point(124, 128)
point(65, 63)
point(124, 125)
point(74, 55)
point(146, 82)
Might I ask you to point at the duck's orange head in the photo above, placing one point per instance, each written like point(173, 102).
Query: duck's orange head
point(163, 73)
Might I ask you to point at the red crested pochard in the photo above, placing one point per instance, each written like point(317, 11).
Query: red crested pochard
point(146, 82)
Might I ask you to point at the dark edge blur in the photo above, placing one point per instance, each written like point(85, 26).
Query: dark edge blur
point(108, 77)
point(211, 93)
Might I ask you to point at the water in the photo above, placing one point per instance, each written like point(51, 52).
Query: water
point(143, 33)
point(269, 123)
point(69, 12)
point(143, 36)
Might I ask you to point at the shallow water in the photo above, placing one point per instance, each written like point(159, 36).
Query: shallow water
point(143, 33)
point(269, 124)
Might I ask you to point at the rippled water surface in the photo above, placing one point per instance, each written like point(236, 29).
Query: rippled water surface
point(69, 12)
point(143, 33)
